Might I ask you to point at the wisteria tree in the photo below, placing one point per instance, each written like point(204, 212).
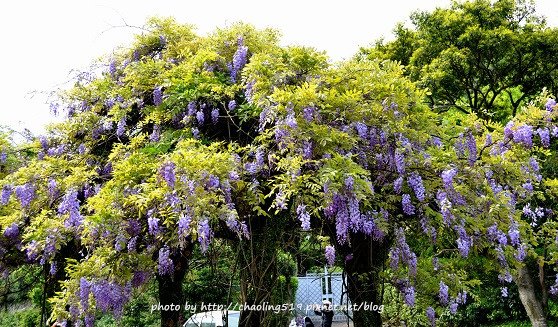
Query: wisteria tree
point(182, 139)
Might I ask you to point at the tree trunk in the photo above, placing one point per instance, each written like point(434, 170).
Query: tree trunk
point(529, 299)
point(257, 270)
point(260, 271)
point(171, 293)
point(363, 277)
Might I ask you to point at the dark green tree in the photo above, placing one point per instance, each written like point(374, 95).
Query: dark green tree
point(483, 57)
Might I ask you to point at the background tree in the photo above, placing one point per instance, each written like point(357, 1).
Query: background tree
point(482, 57)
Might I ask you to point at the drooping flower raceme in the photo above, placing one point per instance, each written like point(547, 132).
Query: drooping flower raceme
point(408, 207)
point(443, 293)
point(157, 96)
point(12, 231)
point(166, 266)
point(6, 193)
point(431, 315)
point(70, 205)
point(415, 181)
point(167, 173)
point(204, 234)
point(303, 217)
point(330, 255)
point(25, 194)
point(240, 58)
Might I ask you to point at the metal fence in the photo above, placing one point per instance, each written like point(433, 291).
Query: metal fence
point(314, 288)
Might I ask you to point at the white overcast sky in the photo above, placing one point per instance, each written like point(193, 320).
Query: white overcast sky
point(42, 41)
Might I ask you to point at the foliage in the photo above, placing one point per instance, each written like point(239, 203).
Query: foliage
point(485, 57)
point(182, 142)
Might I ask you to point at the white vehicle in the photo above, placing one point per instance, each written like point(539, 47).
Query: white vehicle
point(213, 319)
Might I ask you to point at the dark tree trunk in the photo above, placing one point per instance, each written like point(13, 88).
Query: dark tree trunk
point(529, 298)
point(259, 270)
point(170, 289)
point(363, 271)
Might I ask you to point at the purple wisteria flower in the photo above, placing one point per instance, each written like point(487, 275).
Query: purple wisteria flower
point(132, 244)
point(443, 293)
point(505, 278)
point(544, 134)
point(3, 157)
point(156, 134)
point(12, 231)
point(431, 315)
point(140, 278)
point(280, 201)
point(408, 207)
point(249, 91)
point(195, 133)
point(6, 193)
point(415, 181)
point(52, 187)
point(213, 182)
point(409, 296)
point(110, 297)
point(554, 288)
point(200, 117)
point(399, 162)
point(447, 178)
point(50, 248)
point(121, 127)
point(204, 234)
point(362, 130)
point(44, 142)
point(308, 113)
point(461, 297)
point(70, 205)
point(453, 307)
point(32, 250)
point(307, 148)
point(184, 225)
point(158, 95)
point(550, 104)
point(464, 242)
point(53, 268)
point(240, 58)
point(330, 255)
point(398, 184)
point(472, 148)
point(232, 105)
point(81, 149)
point(342, 219)
point(303, 217)
point(25, 194)
point(192, 108)
point(84, 291)
point(513, 233)
point(167, 172)
point(401, 253)
point(520, 254)
point(214, 115)
point(120, 242)
point(166, 266)
point(488, 141)
point(153, 225)
point(460, 146)
point(524, 134)
point(112, 68)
